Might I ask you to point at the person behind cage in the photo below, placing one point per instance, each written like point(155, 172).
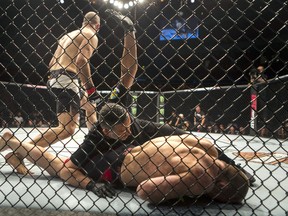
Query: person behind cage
point(187, 125)
point(216, 128)
point(180, 121)
point(18, 119)
point(199, 119)
point(222, 128)
point(232, 129)
point(3, 122)
point(242, 130)
point(258, 83)
point(7, 117)
point(258, 75)
point(172, 119)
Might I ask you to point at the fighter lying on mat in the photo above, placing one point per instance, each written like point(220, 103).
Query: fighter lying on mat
point(161, 169)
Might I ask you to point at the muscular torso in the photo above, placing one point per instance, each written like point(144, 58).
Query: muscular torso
point(158, 158)
point(68, 50)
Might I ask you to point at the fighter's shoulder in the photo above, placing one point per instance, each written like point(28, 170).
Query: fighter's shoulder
point(88, 34)
point(71, 34)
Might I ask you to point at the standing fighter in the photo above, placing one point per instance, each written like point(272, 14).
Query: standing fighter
point(69, 74)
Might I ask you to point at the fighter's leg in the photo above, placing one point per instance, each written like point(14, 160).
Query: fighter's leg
point(65, 129)
point(68, 104)
point(3, 141)
point(35, 154)
point(15, 160)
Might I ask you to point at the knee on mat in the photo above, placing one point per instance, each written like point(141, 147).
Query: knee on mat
point(68, 130)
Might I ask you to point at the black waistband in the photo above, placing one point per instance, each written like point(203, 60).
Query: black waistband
point(56, 73)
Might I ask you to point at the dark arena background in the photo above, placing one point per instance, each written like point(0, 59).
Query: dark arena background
point(191, 53)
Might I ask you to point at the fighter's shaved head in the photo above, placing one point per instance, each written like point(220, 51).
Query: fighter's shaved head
point(92, 18)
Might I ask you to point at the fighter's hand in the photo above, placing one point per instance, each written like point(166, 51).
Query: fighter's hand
point(124, 21)
point(103, 191)
point(93, 96)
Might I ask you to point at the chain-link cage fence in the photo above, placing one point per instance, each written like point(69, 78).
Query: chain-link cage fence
point(191, 100)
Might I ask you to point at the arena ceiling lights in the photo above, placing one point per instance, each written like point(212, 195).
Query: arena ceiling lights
point(124, 4)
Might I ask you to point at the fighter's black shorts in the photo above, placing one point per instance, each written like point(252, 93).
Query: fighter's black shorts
point(64, 86)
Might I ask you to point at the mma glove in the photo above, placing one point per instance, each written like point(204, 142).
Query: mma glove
point(102, 190)
point(124, 21)
point(93, 95)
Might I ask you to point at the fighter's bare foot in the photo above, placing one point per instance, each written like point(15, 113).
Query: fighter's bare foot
point(4, 139)
point(16, 161)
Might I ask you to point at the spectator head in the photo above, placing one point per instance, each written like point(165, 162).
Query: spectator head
point(198, 108)
point(260, 68)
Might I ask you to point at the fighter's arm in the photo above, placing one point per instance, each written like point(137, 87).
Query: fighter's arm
point(72, 175)
point(88, 44)
point(177, 122)
point(203, 118)
point(73, 171)
point(52, 62)
point(194, 119)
